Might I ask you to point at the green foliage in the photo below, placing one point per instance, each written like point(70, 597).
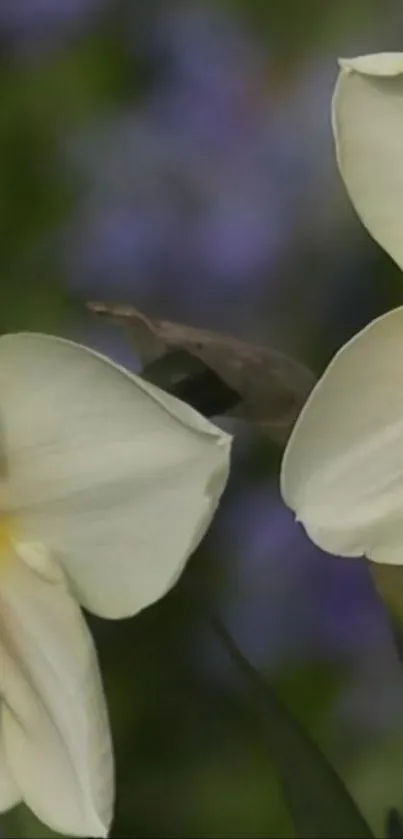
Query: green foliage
point(319, 803)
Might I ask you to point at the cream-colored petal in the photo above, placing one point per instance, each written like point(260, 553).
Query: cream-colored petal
point(376, 64)
point(118, 478)
point(342, 470)
point(367, 116)
point(9, 792)
point(54, 721)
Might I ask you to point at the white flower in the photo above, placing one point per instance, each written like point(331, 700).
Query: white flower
point(107, 485)
point(367, 117)
point(342, 470)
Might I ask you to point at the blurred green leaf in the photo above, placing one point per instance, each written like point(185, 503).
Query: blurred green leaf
point(320, 804)
point(388, 580)
point(20, 823)
point(293, 31)
point(394, 824)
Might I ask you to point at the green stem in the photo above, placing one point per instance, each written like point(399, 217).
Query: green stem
point(319, 803)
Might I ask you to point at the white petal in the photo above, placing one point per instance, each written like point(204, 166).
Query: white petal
point(377, 64)
point(342, 470)
point(118, 478)
point(54, 721)
point(9, 792)
point(368, 128)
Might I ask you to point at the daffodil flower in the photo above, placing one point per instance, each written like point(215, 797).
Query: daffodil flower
point(342, 470)
point(107, 485)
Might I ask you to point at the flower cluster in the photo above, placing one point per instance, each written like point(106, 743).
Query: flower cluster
point(342, 471)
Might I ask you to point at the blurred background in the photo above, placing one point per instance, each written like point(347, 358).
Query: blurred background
point(177, 155)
